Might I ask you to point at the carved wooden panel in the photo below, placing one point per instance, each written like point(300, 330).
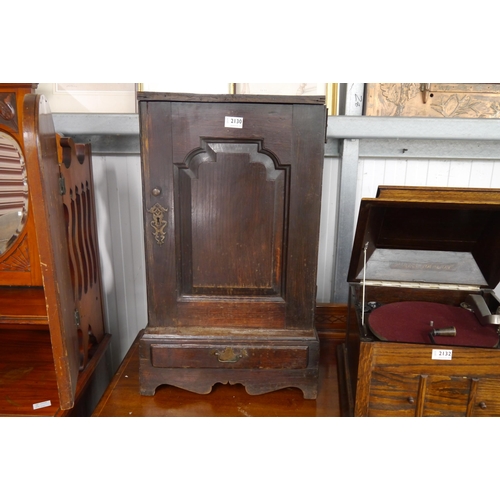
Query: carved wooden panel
point(8, 110)
point(223, 191)
point(79, 211)
point(19, 261)
point(448, 100)
point(43, 174)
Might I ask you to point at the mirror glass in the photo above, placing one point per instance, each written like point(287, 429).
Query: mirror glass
point(13, 191)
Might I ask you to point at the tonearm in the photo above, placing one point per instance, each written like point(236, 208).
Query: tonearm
point(478, 306)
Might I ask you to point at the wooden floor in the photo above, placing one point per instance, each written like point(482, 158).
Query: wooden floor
point(27, 375)
point(122, 399)
point(28, 385)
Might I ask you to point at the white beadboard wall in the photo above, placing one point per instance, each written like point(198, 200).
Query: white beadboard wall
point(120, 225)
point(118, 189)
point(327, 229)
point(438, 173)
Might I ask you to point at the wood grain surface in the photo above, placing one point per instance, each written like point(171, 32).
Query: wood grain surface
point(122, 399)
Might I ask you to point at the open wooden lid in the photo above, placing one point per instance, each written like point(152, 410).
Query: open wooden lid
point(448, 236)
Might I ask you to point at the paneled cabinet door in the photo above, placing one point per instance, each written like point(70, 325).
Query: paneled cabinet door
point(232, 213)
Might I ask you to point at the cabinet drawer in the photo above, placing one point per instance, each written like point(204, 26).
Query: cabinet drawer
point(393, 394)
point(397, 394)
point(487, 400)
point(446, 396)
point(224, 356)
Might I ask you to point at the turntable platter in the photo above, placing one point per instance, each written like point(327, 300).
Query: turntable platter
point(413, 321)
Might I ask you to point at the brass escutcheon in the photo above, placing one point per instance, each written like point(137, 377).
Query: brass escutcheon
point(158, 223)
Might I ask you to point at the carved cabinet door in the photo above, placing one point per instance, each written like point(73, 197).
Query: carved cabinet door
point(232, 199)
point(43, 175)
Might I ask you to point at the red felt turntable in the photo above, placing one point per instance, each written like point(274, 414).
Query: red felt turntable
point(423, 330)
point(432, 323)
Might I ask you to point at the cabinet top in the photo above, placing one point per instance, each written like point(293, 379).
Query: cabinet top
point(238, 98)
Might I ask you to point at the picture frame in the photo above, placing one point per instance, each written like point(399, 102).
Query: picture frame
point(192, 87)
point(90, 97)
point(433, 100)
point(329, 90)
point(121, 98)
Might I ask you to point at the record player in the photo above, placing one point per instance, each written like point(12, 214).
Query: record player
point(424, 321)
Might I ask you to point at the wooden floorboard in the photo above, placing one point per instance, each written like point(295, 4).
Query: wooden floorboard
point(27, 375)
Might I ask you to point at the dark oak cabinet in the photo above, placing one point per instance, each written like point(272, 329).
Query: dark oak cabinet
point(232, 191)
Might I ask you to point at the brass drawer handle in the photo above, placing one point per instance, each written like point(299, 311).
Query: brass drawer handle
point(411, 400)
point(228, 355)
point(482, 405)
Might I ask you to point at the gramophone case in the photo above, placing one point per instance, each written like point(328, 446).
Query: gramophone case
point(232, 193)
point(422, 336)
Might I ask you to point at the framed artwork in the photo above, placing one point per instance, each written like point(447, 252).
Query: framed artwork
point(437, 100)
point(121, 97)
point(329, 90)
point(193, 87)
point(90, 97)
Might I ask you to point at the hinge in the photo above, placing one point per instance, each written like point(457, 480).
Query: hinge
point(62, 185)
point(77, 317)
point(430, 286)
point(425, 89)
